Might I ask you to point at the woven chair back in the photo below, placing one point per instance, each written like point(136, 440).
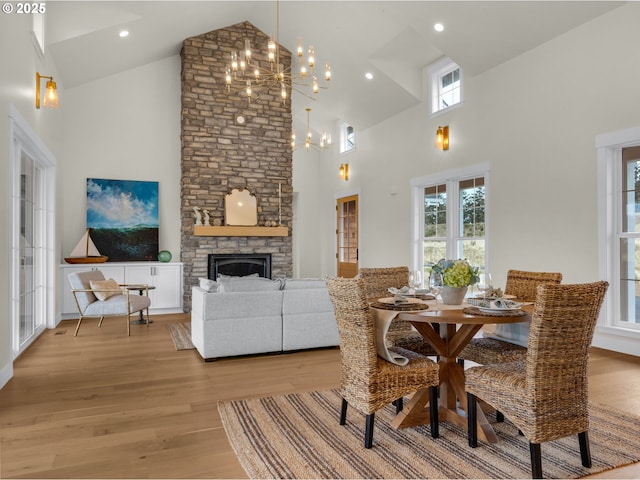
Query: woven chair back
point(524, 285)
point(561, 331)
point(377, 281)
point(358, 350)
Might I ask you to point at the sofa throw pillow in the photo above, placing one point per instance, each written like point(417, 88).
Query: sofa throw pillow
point(105, 288)
point(208, 284)
point(247, 284)
point(235, 277)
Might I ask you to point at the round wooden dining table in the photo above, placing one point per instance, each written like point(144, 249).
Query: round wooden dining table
point(448, 331)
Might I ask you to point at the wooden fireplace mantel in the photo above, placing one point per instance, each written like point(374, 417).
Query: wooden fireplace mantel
point(239, 231)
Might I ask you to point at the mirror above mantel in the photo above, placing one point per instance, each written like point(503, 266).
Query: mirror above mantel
point(240, 208)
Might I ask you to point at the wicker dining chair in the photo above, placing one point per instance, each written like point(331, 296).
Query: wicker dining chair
point(545, 396)
point(369, 382)
point(489, 350)
point(377, 282)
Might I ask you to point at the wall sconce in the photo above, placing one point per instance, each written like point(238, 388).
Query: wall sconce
point(344, 171)
point(442, 138)
point(51, 95)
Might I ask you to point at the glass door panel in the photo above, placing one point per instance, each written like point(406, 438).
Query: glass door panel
point(27, 251)
point(347, 233)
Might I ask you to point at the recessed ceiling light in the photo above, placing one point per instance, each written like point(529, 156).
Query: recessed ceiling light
point(368, 75)
point(438, 27)
point(124, 33)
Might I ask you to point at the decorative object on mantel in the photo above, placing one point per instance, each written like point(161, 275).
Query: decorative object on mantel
point(198, 216)
point(457, 275)
point(206, 217)
point(240, 208)
point(279, 204)
point(86, 252)
point(217, 222)
point(245, 70)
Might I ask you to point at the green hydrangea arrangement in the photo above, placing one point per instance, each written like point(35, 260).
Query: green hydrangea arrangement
point(456, 273)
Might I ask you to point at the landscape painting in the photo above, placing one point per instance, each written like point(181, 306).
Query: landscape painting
point(123, 218)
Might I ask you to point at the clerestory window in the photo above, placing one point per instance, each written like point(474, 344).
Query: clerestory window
point(445, 85)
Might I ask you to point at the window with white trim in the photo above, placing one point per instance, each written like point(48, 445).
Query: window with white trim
point(449, 217)
point(619, 228)
point(445, 85)
point(347, 138)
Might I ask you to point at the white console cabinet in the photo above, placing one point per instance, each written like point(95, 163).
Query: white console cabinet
point(165, 277)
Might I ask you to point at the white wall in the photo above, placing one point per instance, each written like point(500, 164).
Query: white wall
point(124, 127)
point(20, 62)
point(534, 120)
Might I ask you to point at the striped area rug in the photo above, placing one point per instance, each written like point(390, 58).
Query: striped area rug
point(298, 436)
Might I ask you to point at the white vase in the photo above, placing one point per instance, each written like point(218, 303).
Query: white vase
point(453, 295)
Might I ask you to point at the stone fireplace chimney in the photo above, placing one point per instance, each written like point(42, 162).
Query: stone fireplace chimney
point(220, 153)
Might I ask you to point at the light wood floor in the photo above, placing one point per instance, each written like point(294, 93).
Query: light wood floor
point(104, 405)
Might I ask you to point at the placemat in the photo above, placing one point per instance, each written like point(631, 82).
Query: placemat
point(400, 307)
point(509, 313)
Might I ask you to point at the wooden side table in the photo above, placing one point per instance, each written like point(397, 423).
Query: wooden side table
point(141, 289)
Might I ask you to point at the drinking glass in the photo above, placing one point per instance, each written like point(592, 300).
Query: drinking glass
point(436, 285)
point(484, 284)
point(415, 279)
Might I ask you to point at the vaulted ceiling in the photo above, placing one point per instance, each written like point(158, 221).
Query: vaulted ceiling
point(394, 40)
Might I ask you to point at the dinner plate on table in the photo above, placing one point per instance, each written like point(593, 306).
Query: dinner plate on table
point(489, 297)
point(405, 300)
point(502, 306)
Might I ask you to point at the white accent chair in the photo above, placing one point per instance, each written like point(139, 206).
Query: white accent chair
point(125, 302)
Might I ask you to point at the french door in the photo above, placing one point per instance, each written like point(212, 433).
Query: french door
point(32, 234)
point(347, 236)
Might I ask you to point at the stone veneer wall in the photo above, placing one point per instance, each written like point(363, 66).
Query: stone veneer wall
point(218, 154)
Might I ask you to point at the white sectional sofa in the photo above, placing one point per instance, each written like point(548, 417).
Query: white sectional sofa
point(249, 315)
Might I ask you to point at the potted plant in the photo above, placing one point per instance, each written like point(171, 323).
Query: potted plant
point(457, 275)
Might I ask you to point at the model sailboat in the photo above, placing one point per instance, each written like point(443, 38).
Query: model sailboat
point(86, 251)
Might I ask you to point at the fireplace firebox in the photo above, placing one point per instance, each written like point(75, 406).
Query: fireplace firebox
point(239, 264)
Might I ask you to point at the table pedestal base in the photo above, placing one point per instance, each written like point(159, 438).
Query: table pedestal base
point(416, 412)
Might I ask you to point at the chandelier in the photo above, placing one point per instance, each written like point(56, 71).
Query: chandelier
point(325, 138)
point(245, 72)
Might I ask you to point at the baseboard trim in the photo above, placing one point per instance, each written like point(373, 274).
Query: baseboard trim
point(6, 374)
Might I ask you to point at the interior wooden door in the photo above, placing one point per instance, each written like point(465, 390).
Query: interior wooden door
point(347, 235)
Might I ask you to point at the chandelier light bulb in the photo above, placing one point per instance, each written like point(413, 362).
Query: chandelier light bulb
point(227, 77)
point(300, 50)
point(312, 58)
point(247, 51)
point(327, 72)
point(234, 61)
point(271, 47)
point(315, 85)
